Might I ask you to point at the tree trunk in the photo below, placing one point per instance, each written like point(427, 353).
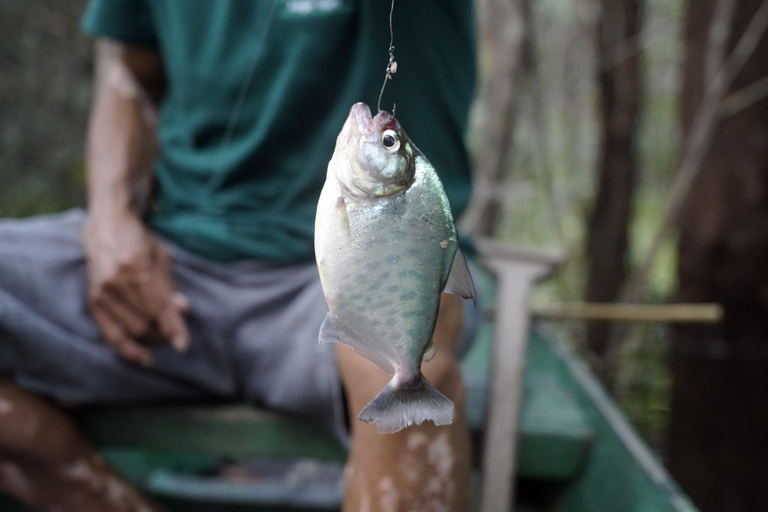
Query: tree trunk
point(608, 223)
point(719, 424)
point(502, 34)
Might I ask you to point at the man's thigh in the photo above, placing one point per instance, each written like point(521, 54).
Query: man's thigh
point(279, 361)
point(49, 343)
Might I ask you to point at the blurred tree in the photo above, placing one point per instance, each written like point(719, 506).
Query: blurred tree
point(718, 442)
point(606, 245)
point(502, 35)
point(45, 88)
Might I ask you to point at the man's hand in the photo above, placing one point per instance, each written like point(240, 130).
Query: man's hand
point(131, 287)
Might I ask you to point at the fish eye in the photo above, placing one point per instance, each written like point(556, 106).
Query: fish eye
point(390, 140)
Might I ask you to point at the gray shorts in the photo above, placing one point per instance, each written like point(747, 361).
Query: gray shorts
point(253, 328)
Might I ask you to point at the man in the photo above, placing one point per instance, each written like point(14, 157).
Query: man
point(192, 275)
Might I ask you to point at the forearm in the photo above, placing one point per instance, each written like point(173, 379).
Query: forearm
point(132, 293)
point(122, 131)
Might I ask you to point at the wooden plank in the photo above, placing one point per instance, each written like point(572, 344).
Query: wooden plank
point(231, 430)
point(503, 251)
point(514, 281)
point(667, 313)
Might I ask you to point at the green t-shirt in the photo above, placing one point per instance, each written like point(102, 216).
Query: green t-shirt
point(258, 91)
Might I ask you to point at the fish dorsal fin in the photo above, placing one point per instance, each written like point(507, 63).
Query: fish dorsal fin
point(460, 280)
point(334, 332)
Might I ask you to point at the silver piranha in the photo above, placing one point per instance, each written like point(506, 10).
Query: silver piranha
point(386, 248)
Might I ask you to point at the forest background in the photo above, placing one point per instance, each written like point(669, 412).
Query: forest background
point(630, 135)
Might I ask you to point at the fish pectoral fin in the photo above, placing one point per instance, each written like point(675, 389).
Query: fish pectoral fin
point(460, 280)
point(334, 332)
point(341, 212)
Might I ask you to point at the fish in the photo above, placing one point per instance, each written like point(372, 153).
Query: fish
point(386, 248)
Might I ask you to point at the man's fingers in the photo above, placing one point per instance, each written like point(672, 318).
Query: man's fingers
point(135, 293)
point(125, 347)
point(172, 304)
point(141, 299)
point(132, 295)
point(145, 284)
point(173, 327)
point(180, 301)
point(165, 307)
point(134, 322)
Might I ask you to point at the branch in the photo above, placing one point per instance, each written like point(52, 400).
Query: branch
point(695, 149)
point(503, 31)
point(628, 48)
point(746, 45)
point(744, 98)
point(542, 145)
point(719, 34)
point(612, 312)
point(698, 142)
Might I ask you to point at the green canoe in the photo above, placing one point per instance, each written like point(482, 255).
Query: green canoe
point(576, 452)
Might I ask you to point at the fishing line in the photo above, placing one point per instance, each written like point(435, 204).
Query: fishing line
point(392, 65)
point(215, 180)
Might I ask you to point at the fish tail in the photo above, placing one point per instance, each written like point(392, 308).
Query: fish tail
point(399, 406)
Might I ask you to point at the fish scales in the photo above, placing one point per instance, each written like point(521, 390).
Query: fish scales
point(396, 273)
point(385, 244)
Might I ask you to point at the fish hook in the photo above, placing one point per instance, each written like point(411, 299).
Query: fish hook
point(391, 65)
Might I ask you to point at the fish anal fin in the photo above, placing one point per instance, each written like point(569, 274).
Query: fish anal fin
point(429, 352)
point(333, 331)
point(459, 279)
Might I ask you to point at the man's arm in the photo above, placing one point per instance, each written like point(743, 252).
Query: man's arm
point(131, 290)
point(122, 133)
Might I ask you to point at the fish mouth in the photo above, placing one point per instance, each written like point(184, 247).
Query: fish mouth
point(360, 114)
point(361, 122)
point(358, 123)
point(361, 162)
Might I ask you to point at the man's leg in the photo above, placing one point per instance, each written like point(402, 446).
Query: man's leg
point(46, 462)
point(48, 343)
point(421, 468)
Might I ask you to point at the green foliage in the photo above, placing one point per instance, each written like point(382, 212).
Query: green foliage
point(44, 95)
point(646, 399)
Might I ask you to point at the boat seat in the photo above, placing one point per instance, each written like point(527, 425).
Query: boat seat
point(554, 433)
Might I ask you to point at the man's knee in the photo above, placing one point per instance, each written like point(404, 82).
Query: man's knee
point(444, 372)
point(33, 428)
